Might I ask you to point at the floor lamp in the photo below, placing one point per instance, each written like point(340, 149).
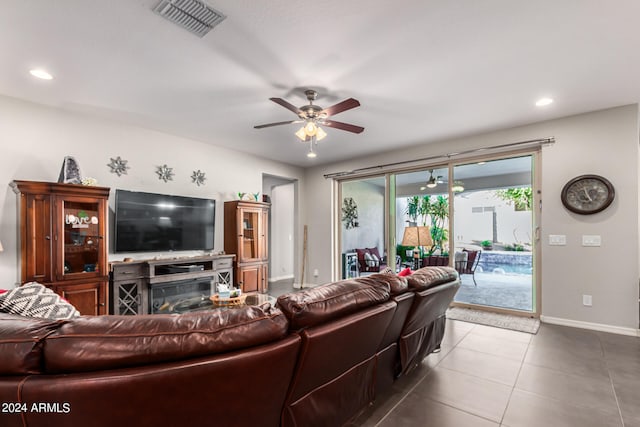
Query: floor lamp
point(416, 236)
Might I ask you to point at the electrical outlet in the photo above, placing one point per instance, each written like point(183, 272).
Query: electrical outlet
point(315, 273)
point(587, 300)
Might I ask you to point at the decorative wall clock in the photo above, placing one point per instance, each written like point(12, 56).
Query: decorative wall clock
point(587, 194)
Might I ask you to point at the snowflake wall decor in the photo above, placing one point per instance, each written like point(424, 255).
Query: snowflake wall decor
point(349, 213)
point(198, 178)
point(118, 166)
point(165, 173)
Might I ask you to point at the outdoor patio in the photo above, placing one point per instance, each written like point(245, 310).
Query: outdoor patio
point(497, 290)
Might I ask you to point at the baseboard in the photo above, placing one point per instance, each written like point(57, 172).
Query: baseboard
point(275, 279)
point(620, 330)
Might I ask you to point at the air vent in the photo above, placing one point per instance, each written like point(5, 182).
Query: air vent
point(192, 15)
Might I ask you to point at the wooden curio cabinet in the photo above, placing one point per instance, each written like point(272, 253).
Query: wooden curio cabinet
point(246, 229)
point(63, 241)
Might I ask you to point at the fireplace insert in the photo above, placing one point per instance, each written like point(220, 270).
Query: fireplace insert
point(171, 297)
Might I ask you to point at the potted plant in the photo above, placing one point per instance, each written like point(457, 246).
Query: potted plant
point(487, 245)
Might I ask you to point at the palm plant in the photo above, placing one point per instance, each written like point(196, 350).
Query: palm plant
point(439, 212)
point(425, 208)
point(413, 208)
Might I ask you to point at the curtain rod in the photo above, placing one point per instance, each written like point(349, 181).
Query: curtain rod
point(533, 142)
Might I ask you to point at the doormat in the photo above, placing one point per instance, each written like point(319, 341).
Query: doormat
point(504, 321)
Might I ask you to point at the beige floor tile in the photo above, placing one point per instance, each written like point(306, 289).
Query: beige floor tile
point(477, 396)
point(483, 365)
point(531, 410)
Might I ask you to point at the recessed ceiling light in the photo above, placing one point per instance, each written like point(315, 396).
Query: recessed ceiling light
point(543, 102)
point(41, 74)
point(423, 188)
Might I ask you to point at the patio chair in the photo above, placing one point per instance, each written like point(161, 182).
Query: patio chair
point(468, 264)
point(370, 261)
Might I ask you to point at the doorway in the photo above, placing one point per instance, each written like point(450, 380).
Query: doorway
point(282, 194)
point(494, 238)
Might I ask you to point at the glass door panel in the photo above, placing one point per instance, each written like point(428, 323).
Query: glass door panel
point(363, 239)
point(81, 237)
point(422, 218)
point(250, 241)
point(493, 228)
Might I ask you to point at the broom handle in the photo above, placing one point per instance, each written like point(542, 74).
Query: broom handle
point(304, 256)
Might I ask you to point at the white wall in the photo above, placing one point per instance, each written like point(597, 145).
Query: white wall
point(603, 142)
point(35, 139)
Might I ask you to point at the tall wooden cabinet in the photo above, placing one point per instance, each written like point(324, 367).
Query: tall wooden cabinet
point(63, 241)
point(246, 229)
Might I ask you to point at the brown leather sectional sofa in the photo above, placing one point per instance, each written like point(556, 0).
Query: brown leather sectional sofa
point(317, 359)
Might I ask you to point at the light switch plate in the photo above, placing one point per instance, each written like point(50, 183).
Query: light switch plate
point(557, 240)
point(591, 240)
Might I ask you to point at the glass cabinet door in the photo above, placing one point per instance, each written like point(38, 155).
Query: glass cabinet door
point(249, 234)
point(81, 226)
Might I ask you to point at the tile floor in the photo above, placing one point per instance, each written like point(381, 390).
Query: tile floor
point(488, 376)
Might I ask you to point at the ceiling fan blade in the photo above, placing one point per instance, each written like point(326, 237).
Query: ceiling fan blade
point(343, 126)
point(345, 105)
point(277, 124)
point(286, 104)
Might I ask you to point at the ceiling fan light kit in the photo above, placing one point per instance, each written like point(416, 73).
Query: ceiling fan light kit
point(312, 116)
point(458, 187)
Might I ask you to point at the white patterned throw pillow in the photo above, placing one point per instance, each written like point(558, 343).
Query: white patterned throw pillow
point(35, 300)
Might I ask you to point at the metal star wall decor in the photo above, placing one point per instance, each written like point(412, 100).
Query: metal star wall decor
point(118, 166)
point(165, 173)
point(198, 178)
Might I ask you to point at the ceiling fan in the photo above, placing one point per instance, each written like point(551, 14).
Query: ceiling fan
point(313, 116)
point(433, 181)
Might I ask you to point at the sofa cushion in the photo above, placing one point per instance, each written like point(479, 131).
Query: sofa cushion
point(370, 260)
point(332, 300)
point(104, 342)
point(21, 341)
point(428, 277)
point(374, 252)
point(397, 284)
point(35, 300)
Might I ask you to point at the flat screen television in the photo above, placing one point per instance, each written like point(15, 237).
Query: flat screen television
point(147, 222)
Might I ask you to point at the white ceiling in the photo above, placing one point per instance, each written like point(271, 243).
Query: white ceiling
point(422, 70)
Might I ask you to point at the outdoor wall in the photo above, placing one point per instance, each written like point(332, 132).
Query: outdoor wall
point(35, 140)
point(602, 142)
point(369, 198)
point(512, 226)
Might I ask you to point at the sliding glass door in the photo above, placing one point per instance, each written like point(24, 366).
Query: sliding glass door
point(477, 216)
point(494, 233)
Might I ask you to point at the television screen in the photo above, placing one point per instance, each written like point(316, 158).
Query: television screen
point(146, 222)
